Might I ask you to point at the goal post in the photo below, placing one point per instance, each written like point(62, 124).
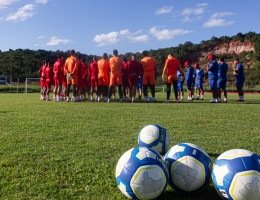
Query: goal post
point(32, 85)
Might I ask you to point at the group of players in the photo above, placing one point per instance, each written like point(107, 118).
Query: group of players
point(95, 82)
point(98, 81)
point(195, 76)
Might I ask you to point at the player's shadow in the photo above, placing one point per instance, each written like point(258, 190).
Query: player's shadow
point(246, 102)
point(214, 155)
point(208, 194)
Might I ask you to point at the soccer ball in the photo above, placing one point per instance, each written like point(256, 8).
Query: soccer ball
point(155, 137)
point(189, 167)
point(236, 175)
point(141, 174)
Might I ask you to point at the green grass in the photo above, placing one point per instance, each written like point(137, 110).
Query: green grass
point(64, 150)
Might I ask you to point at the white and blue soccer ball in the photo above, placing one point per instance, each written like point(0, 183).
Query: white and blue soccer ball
point(154, 136)
point(189, 168)
point(141, 174)
point(236, 175)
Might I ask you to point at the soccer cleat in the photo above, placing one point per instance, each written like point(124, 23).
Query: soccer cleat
point(108, 100)
point(189, 99)
point(213, 101)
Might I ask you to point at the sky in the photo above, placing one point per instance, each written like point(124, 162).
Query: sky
point(98, 26)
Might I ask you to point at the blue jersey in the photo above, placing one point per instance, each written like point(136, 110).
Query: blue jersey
point(240, 76)
point(199, 75)
point(213, 70)
point(180, 77)
point(222, 72)
point(190, 74)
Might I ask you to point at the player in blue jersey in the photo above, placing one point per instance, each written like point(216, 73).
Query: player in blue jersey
point(199, 81)
point(180, 79)
point(139, 86)
point(238, 71)
point(213, 77)
point(189, 79)
point(222, 79)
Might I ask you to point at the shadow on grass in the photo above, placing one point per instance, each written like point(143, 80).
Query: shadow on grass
point(191, 102)
point(246, 102)
point(208, 194)
point(214, 155)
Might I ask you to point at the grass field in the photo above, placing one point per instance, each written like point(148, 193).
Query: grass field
point(64, 150)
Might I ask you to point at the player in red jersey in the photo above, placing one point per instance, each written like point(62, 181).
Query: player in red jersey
point(172, 65)
point(93, 74)
point(58, 76)
point(80, 80)
point(49, 77)
point(135, 70)
point(125, 78)
point(85, 79)
point(43, 80)
point(64, 84)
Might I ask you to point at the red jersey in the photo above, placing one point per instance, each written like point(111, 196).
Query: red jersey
point(58, 69)
point(48, 73)
point(135, 68)
point(126, 70)
point(171, 66)
point(49, 76)
point(42, 72)
point(80, 66)
point(42, 76)
point(85, 72)
point(80, 72)
point(93, 70)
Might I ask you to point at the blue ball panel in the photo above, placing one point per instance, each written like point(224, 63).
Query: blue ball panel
point(235, 166)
